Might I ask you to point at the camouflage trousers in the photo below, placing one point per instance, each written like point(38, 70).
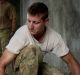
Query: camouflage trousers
point(4, 38)
point(29, 62)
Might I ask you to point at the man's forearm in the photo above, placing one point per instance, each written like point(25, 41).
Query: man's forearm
point(75, 68)
point(73, 64)
point(5, 59)
point(2, 71)
point(2, 67)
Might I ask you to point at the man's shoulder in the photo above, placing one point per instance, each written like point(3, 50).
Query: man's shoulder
point(22, 29)
point(52, 32)
point(52, 36)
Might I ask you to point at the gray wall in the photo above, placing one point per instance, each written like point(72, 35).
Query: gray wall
point(65, 19)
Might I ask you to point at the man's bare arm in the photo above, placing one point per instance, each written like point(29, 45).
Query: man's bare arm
point(73, 64)
point(5, 59)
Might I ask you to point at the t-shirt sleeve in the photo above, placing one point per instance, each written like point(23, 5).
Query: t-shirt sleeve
point(17, 42)
point(60, 49)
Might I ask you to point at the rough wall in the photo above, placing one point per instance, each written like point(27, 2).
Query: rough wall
point(65, 19)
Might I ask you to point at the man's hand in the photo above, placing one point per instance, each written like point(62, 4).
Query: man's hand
point(73, 64)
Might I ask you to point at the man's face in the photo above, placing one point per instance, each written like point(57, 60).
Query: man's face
point(35, 24)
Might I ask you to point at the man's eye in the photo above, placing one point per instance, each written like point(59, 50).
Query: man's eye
point(36, 22)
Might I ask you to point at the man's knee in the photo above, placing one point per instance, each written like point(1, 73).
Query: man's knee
point(28, 60)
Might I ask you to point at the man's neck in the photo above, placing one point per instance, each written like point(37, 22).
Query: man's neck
point(41, 35)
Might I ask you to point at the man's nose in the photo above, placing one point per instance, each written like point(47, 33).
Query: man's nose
point(31, 25)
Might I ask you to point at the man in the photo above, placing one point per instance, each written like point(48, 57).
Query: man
point(7, 22)
point(34, 39)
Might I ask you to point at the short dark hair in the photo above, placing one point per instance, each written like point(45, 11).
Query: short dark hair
point(38, 8)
